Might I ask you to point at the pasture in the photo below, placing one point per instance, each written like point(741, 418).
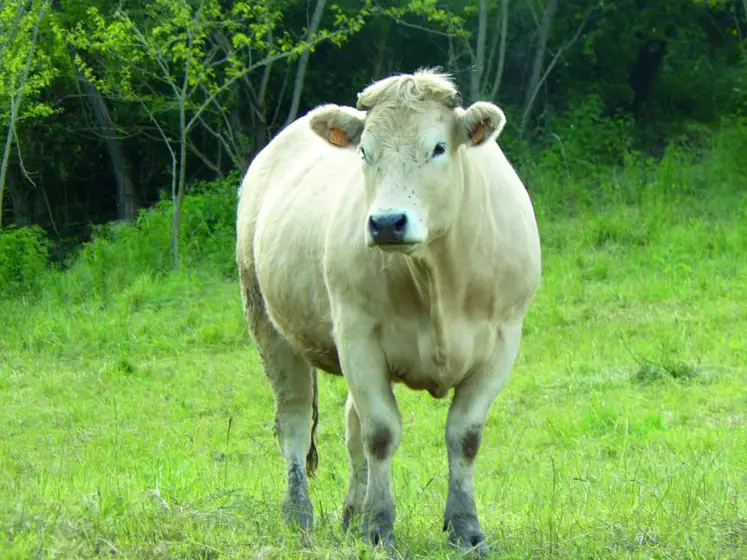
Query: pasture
point(136, 422)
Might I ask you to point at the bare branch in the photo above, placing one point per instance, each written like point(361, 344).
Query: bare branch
point(493, 47)
point(263, 84)
point(276, 114)
point(165, 70)
point(404, 23)
point(502, 52)
point(203, 158)
point(231, 149)
point(16, 99)
point(28, 177)
point(479, 65)
point(303, 61)
point(228, 83)
point(561, 50)
point(539, 60)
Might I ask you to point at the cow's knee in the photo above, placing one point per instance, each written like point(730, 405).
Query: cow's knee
point(464, 440)
point(382, 440)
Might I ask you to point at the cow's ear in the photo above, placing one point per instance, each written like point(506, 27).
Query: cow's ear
point(480, 123)
point(340, 126)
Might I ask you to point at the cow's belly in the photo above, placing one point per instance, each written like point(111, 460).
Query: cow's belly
point(419, 362)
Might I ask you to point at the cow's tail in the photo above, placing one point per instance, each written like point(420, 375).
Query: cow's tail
point(312, 458)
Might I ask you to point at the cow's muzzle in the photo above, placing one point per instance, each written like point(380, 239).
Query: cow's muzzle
point(388, 229)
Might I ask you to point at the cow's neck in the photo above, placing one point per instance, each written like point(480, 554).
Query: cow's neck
point(449, 267)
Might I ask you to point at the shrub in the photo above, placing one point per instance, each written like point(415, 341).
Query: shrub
point(120, 252)
point(23, 261)
point(582, 139)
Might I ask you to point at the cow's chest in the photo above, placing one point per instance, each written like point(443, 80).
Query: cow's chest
point(426, 359)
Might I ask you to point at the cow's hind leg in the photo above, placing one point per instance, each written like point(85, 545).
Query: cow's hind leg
point(358, 465)
point(464, 427)
point(293, 382)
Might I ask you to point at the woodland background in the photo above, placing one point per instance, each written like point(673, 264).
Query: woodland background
point(108, 107)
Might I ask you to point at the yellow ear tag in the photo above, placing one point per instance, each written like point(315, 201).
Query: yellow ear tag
point(478, 134)
point(338, 137)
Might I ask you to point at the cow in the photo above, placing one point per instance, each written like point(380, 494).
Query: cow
point(388, 243)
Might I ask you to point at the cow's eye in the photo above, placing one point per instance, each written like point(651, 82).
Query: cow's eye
point(439, 150)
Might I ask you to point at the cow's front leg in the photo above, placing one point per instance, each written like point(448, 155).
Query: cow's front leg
point(369, 384)
point(464, 426)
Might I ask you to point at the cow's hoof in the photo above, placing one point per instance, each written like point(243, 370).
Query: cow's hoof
point(378, 535)
point(467, 535)
point(299, 514)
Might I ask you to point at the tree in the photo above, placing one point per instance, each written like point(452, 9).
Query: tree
point(303, 61)
point(539, 72)
point(25, 72)
point(126, 196)
point(78, 128)
point(179, 60)
point(539, 60)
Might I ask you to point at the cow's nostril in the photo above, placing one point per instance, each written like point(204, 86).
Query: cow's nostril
point(373, 226)
point(400, 224)
point(388, 229)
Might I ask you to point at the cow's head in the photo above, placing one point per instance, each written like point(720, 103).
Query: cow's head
point(409, 131)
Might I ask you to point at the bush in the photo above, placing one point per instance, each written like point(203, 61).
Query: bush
point(120, 253)
point(583, 139)
point(23, 261)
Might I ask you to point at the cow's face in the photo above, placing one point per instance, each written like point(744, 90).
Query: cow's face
point(411, 162)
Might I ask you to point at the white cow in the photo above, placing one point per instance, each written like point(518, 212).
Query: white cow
point(393, 243)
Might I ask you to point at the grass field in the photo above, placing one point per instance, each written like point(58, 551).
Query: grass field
point(139, 424)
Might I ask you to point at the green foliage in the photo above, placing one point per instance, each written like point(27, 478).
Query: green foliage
point(217, 78)
point(698, 164)
point(17, 52)
point(197, 51)
point(582, 140)
point(23, 261)
point(120, 253)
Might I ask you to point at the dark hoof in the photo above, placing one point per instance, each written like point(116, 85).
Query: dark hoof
point(467, 535)
point(378, 535)
point(300, 515)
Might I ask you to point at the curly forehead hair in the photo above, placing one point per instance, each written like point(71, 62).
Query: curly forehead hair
point(410, 89)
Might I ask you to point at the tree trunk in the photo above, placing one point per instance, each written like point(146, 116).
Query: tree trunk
point(479, 66)
point(15, 104)
point(22, 215)
point(648, 62)
point(6, 152)
point(177, 198)
point(379, 68)
point(316, 20)
point(539, 61)
point(126, 197)
point(502, 52)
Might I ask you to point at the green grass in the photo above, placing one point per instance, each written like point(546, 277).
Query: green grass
point(139, 424)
